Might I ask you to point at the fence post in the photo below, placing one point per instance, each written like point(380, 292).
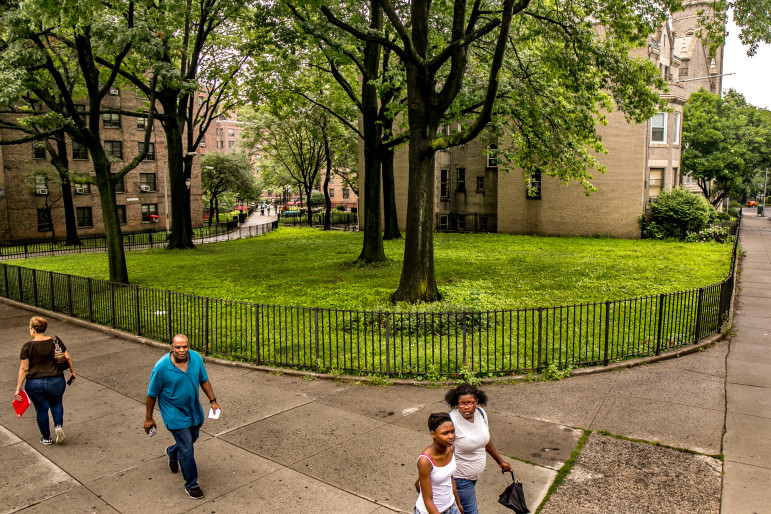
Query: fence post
point(21, 286)
point(206, 325)
point(697, 329)
point(661, 321)
point(69, 294)
point(34, 285)
point(607, 331)
point(137, 311)
point(90, 301)
point(5, 278)
point(51, 287)
point(25, 250)
point(464, 339)
point(387, 343)
point(168, 315)
point(257, 333)
point(316, 334)
point(540, 335)
point(112, 304)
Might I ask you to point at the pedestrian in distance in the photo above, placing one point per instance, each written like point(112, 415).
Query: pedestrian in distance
point(472, 440)
point(437, 493)
point(174, 384)
point(45, 378)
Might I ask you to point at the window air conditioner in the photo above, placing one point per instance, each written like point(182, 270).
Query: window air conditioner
point(41, 191)
point(144, 187)
point(114, 91)
point(80, 190)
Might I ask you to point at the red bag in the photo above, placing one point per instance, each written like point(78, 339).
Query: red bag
point(21, 405)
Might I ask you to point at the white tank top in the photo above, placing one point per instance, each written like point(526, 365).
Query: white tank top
point(441, 486)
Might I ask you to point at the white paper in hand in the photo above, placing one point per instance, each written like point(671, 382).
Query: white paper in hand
point(214, 414)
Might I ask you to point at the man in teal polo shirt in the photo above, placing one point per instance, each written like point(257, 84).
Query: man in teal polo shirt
point(174, 383)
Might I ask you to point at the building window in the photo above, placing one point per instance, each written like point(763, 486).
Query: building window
point(147, 182)
point(231, 132)
point(84, 217)
point(121, 210)
point(114, 149)
point(480, 184)
point(111, 119)
point(655, 182)
point(483, 223)
point(346, 193)
point(83, 189)
point(220, 131)
point(142, 122)
point(38, 151)
point(41, 185)
point(444, 184)
point(120, 185)
point(331, 193)
point(492, 156)
point(202, 144)
point(79, 151)
point(676, 135)
point(150, 150)
point(44, 220)
point(443, 221)
point(461, 184)
point(220, 144)
point(148, 210)
point(461, 222)
point(534, 186)
point(658, 128)
point(231, 144)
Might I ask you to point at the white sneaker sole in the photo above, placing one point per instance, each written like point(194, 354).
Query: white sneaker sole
point(59, 435)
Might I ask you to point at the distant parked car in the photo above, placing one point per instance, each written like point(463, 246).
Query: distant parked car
point(752, 203)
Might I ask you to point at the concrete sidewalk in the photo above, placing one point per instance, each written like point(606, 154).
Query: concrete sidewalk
point(292, 444)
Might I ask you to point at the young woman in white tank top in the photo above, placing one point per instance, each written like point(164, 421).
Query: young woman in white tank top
point(436, 466)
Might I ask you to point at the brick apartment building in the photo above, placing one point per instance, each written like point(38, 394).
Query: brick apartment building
point(642, 160)
point(142, 198)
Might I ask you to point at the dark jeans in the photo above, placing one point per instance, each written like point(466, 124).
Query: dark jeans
point(46, 393)
point(467, 495)
point(184, 454)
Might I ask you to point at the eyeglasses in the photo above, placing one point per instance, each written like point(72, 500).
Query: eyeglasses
point(467, 404)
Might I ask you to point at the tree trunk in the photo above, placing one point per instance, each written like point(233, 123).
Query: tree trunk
point(391, 223)
point(180, 237)
point(62, 165)
point(113, 235)
point(327, 199)
point(188, 207)
point(308, 192)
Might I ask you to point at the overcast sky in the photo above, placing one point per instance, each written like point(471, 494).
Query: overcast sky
point(752, 74)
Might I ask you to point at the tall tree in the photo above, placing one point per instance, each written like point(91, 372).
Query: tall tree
point(726, 142)
point(454, 56)
point(64, 44)
point(227, 172)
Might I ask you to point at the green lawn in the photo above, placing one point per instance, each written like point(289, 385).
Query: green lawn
point(308, 267)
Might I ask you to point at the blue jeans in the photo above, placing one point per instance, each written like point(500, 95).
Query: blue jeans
point(467, 495)
point(184, 454)
point(46, 393)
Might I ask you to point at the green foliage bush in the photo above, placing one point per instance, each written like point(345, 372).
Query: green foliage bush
point(679, 211)
point(317, 198)
point(712, 233)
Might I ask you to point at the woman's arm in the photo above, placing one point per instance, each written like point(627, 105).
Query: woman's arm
point(69, 361)
point(455, 493)
point(23, 369)
point(424, 476)
point(505, 466)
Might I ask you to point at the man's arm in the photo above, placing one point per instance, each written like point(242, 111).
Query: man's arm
point(149, 406)
point(206, 386)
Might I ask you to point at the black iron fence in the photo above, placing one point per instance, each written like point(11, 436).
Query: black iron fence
point(391, 343)
point(338, 219)
point(131, 240)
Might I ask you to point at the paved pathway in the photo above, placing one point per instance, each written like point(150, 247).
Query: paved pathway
point(292, 444)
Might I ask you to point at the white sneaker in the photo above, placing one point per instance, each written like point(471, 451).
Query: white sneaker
point(59, 434)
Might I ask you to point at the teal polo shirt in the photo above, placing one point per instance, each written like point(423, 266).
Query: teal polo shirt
point(177, 391)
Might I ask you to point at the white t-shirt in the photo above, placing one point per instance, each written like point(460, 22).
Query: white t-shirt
point(470, 442)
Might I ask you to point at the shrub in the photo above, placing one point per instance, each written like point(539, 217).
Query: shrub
point(713, 233)
point(341, 207)
point(679, 211)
